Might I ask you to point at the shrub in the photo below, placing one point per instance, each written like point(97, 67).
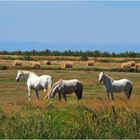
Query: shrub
point(84, 57)
point(27, 58)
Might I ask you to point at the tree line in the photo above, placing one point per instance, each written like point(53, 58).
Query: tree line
point(95, 53)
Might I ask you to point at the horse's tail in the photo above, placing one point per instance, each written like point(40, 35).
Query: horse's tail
point(79, 92)
point(49, 88)
point(50, 84)
point(130, 91)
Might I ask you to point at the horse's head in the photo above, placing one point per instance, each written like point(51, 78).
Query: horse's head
point(19, 75)
point(101, 74)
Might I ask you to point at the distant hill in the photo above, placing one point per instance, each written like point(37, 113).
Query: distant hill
point(23, 46)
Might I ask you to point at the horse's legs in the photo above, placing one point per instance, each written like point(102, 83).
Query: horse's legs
point(107, 95)
point(59, 96)
point(29, 93)
point(37, 95)
point(112, 96)
point(64, 96)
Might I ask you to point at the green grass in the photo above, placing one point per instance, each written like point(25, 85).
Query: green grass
point(92, 117)
point(72, 121)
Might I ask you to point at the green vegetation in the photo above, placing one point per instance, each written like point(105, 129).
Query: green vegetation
point(74, 122)
point(70, 53)
point(84, 57)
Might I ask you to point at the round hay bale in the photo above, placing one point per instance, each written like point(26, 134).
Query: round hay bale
point(47, 62)
point(17, 63)
point(68, 65)
point(90, 63)
point(126, 65)
point(137, 66)
point(132, 63)
point(35, 64)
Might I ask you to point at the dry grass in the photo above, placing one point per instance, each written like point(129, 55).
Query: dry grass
point(70, 58)
point(60, 64)
point(10, 89)
point(55, 62)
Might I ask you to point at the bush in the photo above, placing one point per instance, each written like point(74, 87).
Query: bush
point(28, 58)
point(84, 57)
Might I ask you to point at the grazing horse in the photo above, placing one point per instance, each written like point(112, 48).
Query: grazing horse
point(112, 86)
point(35, 82)
point(66, 87)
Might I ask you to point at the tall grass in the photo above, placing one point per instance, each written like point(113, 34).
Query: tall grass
point(70, 121)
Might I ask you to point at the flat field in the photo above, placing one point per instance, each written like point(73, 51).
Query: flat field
point(8, 62)
point(93, 117)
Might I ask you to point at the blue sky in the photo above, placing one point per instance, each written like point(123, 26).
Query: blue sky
point(71, 25)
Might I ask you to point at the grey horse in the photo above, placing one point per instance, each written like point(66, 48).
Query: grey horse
point(112, 86)
point(63, 87)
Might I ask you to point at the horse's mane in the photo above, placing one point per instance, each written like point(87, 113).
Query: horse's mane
point(58, 82)
point(109, 77)
point(28, 72)
point(55, 84)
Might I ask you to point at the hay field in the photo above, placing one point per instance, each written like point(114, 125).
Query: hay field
point(93, 117)
point(57, 63)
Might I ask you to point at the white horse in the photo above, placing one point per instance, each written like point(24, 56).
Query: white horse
point(66, 87)
point(112, 86)
point(35, 82)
